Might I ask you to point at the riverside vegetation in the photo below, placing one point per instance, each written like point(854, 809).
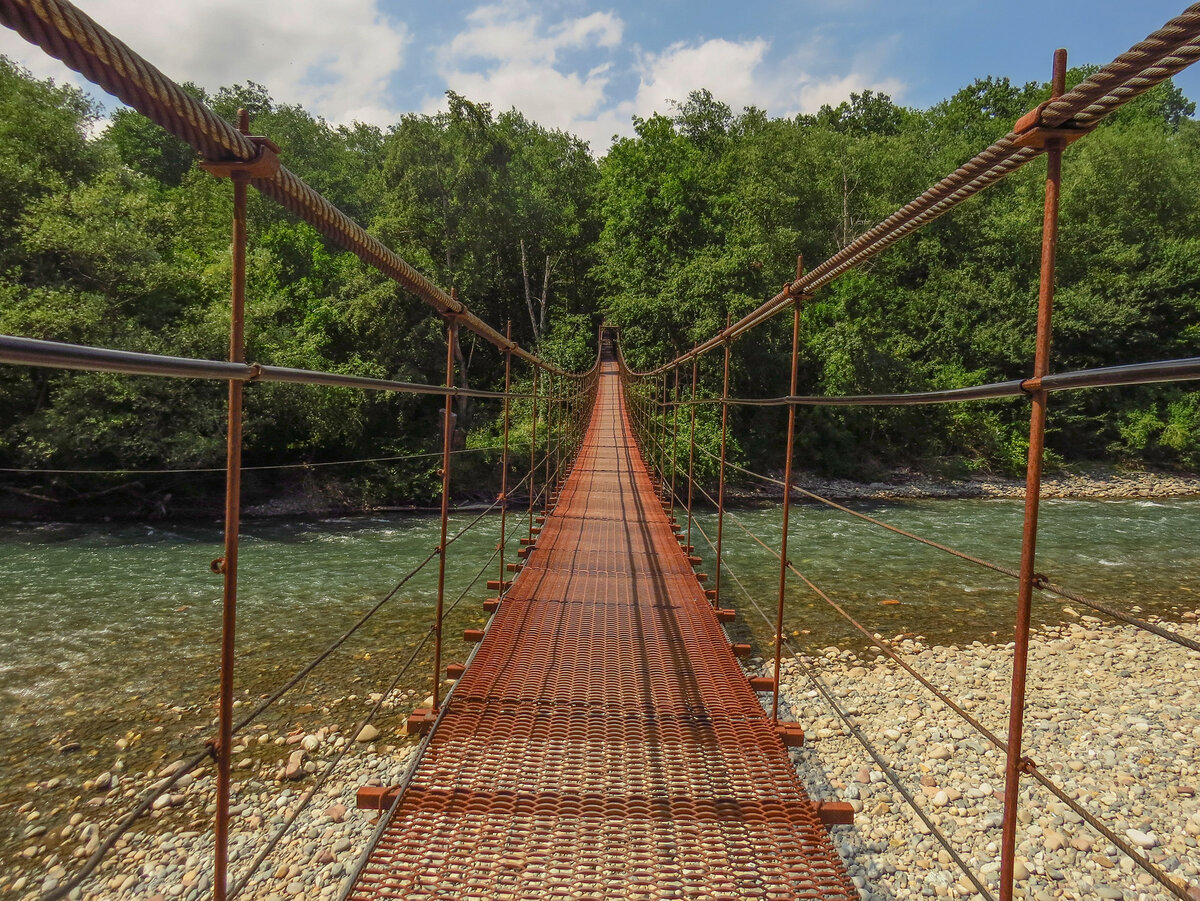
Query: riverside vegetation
point(114, 237)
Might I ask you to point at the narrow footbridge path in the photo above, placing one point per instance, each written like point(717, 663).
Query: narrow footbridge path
point(604, 741)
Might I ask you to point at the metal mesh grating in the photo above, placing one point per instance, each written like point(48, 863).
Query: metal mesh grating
point(604, 743)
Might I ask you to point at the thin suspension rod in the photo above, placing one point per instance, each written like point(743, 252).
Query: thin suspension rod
point(533, 404)
point(787, 510)
point(551, 445)
point(1033, 490)
point(721, 474)
point(228, 565)
point(692, 454)
point(674, 445)
point(447, 442)
point(504, 453)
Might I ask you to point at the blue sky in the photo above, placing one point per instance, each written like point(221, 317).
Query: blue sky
point(589, 66)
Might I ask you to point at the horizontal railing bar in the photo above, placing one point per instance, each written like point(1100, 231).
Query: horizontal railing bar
point(67, 33)
point(59, 355)
point(1162, 372)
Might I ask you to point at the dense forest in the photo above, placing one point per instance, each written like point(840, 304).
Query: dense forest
point(115, 237)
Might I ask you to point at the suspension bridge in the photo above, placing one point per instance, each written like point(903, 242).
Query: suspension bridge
point(602, 739)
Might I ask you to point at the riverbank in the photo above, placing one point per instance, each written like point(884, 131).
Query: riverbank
point(1094, 483)
point(316, 497)
point(1113, 716)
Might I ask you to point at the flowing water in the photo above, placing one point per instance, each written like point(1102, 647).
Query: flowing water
point(111, 631)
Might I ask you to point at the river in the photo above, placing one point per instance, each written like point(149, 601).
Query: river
point(111, 631)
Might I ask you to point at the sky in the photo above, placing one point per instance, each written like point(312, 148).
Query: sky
point(589, 66)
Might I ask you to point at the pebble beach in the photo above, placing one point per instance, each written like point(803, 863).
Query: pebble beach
point(1113, 717)
point(169, 854)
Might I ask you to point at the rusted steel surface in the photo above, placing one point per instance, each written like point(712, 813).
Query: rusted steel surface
point(228, 565)
point(1014, 765)
point(604, 742)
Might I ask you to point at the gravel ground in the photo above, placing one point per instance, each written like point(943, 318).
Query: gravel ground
point(1100, 484)
point(1113, 717)
point(170, 855)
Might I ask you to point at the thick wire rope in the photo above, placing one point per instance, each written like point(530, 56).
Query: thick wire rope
point(67, 33)
point(1151, 61)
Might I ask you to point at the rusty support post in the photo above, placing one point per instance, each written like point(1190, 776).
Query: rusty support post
point(662, 432)
point(558, 435)
point(547, 487)
point(1033, 487)
point(692, 452)
point(675, 441)
point(533, 405)
point(721, 474)
point(228, 565)
point(504, 449)
point(787, 506)
point(447, 442)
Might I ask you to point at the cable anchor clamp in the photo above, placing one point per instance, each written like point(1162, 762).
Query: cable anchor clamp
point(1031, 132)
point(264, 164)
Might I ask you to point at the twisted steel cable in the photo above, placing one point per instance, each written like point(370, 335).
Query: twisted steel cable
point(1151, 61)
point(67, 33)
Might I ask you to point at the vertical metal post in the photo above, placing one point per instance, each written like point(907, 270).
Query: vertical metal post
point(228, 565)
point(1033, 486)
point(675, 440)
point(721, 475)
point(447, 439)
point(504, 451)
point(692, 452)
point(558, 437)
point(663, 457)
point(550, 446)
point(533, 405)
point(787, 506)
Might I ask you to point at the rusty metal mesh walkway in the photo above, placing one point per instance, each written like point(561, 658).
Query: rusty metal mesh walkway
point(604, 742)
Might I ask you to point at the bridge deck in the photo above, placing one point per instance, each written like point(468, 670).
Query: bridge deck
point(604, 742)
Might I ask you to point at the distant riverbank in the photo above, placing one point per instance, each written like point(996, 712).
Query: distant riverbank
point(315, 496)
point(1100, 483)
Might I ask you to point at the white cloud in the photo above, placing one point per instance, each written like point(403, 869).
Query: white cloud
point(739, 73)
point(334, 59)
point(509, 55)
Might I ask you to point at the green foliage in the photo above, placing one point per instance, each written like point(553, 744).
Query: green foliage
point(117, 239)
point(703, 213)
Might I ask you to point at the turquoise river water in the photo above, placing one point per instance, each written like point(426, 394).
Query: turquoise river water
point(112, 630)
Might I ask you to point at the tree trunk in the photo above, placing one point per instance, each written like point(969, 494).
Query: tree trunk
point(463, 422)
point(533, 320)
